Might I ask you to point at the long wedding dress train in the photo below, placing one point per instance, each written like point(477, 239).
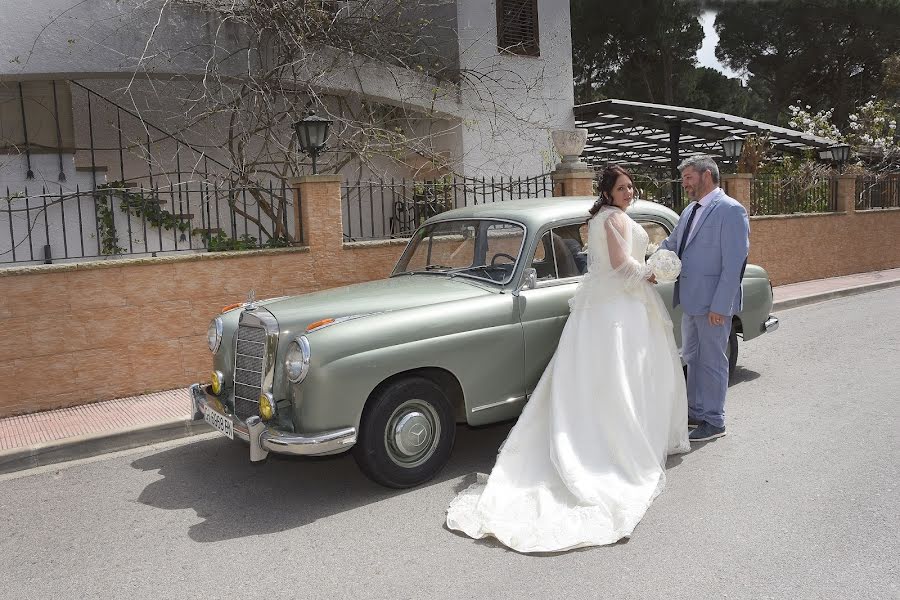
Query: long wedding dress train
point(587, 455)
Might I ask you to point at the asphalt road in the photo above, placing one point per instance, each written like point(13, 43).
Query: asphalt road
point(800, 500)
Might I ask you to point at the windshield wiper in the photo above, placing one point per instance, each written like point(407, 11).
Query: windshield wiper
point(427, 269)
point(484, 268)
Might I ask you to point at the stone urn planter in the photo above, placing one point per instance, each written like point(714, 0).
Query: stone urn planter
point(569, 143)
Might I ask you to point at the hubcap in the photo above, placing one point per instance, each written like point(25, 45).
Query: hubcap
point(412, 433)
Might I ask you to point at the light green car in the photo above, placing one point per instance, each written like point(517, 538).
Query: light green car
point(460, 332)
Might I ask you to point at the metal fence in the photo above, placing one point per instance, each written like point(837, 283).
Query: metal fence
point(658, 186)
point(779, 195)
point(122, 221)
point(394, 209)
point(878, 191)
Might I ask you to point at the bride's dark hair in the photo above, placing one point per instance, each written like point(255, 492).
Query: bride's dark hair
point(608, 180)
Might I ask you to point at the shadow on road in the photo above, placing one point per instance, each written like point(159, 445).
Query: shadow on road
point(742, 375)
point(236, 498)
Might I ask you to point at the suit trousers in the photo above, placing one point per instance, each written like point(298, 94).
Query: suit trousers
point(703, 348)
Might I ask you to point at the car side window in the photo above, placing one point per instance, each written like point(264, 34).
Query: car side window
point(656, 232)
point(560, 253)
point(543, 259)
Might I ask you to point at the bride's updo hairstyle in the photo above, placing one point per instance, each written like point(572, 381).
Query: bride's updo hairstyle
point(608, 180)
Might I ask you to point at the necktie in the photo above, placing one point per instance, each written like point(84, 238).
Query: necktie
point(687, 229)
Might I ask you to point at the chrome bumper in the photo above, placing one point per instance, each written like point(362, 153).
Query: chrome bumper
point(770, 325)
point(263, 439)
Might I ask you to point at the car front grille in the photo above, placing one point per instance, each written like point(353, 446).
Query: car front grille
point(249, 366)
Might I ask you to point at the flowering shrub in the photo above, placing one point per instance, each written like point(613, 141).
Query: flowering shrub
point(875, 125)
point(872, 126)
point(814, 124)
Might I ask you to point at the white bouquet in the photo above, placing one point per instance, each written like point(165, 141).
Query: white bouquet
point(665, 264)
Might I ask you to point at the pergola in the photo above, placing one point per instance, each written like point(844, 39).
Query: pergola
point(638, 134)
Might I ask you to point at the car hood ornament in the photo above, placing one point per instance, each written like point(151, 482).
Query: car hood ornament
point(250, 304)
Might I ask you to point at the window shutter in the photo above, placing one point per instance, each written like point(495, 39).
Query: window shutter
point(517, 27)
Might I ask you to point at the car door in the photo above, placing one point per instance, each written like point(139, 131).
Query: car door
point(560, 262)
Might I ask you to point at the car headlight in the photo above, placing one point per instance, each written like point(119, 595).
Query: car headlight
point(214, 334)
point(296, 362)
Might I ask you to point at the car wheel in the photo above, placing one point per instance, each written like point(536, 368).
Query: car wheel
point(732, 351)
point(406, 433)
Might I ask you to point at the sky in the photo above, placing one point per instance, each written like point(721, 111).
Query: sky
point(706, 55)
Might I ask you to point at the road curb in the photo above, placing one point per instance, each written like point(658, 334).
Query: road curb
point(85, 446)
point(832, 294)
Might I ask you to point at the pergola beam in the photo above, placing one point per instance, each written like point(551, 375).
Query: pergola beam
point(612, 124)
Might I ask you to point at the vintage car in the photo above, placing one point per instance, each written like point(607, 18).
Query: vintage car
point(459, 333)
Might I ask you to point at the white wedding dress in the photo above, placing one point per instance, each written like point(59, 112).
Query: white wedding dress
point(587, 455)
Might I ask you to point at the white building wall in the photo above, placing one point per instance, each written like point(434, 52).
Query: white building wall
point(536, 94)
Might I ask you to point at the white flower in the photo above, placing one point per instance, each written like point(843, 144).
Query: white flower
point(665, 264)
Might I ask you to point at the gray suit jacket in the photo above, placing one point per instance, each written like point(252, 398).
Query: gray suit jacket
point(713, 261)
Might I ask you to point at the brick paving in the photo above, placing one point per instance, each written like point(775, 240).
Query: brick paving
point(94, 419)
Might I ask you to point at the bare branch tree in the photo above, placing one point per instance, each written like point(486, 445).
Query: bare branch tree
point(386, 72)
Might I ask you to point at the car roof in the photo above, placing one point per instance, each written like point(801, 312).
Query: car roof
point(536, 212)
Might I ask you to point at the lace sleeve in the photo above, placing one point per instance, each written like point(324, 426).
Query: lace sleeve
point(618, 242)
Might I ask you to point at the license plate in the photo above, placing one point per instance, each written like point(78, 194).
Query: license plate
point(220, 422)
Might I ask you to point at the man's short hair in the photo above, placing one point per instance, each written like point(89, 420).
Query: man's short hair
point(702, 163)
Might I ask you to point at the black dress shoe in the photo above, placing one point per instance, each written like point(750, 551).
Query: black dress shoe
point(694, 423)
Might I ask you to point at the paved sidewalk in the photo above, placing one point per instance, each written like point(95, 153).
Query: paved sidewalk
point(819, 290)
point(69, 433)
point(81, 431)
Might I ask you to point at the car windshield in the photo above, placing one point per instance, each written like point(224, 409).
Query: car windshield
point(479, 248)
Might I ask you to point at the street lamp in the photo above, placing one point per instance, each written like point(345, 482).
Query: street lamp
point(840, 153)
point(732, 145)
point(312, 132)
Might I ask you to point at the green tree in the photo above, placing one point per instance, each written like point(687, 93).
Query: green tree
point(709, 89)
point(635, 50)
point(827, 52)
point(891, 81)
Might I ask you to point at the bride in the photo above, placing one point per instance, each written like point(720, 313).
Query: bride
point(587, 456)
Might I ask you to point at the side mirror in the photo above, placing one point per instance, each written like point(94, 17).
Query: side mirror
point(529, 279)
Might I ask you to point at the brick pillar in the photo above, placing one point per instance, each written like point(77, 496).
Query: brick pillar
point(317, 210)
point(846, 194)
point(573, 182)
point(738, 187)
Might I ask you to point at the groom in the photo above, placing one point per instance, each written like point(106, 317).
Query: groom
point(713, 241)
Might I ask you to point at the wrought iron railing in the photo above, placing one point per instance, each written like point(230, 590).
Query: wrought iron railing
point(782, 195)
point(395, 208)
point(114, 220)
point(878, 191)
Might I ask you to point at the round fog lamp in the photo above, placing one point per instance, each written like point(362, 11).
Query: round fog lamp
point(217, 380)
point(266, 408)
